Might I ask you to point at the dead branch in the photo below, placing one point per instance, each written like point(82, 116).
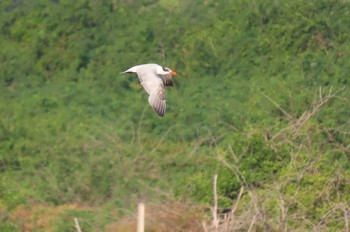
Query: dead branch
point(252, 223)
point(215, 208)
point(323, 219)
point(346, 218)
point(278, 106)
point(331, 138)
point(284, 211)
point(77, 226)
point(295, 124)
point(235, 206)
point(236, 171)
point(162, 139)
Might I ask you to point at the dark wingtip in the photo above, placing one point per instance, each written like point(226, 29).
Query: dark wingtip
point(161, 114)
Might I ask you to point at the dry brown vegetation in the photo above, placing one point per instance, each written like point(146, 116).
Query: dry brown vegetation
point(40, 217)
point(281, 205)
point(170, 216)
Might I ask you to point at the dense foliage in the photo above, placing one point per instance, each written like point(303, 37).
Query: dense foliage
point(261, 99)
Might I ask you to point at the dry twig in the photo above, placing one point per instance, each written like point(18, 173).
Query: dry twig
point(215, 208)
point(295, 124)
point(77, 226)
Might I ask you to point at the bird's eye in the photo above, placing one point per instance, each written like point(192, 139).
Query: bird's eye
point(165, 69)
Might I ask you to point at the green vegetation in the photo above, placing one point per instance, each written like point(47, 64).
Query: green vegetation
point(261, 99)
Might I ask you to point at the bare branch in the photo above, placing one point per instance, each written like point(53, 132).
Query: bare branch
point(346, 217)
point(296, 124)
point(141, 217)
point(77, 226)
point(162, 139)
point(215, 208)
point(233, 154)
point(234, 208)
point(236, 171)
point(278, 106)
point(252, 223)
point(329, 212)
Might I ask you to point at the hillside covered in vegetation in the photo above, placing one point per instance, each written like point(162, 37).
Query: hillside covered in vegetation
point(261, 99)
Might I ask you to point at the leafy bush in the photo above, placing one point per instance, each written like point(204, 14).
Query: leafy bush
point(246, 106)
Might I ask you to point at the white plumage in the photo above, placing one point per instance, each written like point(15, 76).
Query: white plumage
point(154, 78)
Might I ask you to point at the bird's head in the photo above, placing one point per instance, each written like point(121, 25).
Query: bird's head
point(165, 71)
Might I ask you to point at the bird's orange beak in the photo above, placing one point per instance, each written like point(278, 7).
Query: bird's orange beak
point(173, 73)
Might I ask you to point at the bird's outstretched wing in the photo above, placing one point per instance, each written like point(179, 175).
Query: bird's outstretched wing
point(157, 101)
point(154, 86)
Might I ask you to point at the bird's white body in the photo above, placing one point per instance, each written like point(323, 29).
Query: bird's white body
point(154, 78)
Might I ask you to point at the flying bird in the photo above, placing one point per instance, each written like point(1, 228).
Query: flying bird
point(154, 78)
